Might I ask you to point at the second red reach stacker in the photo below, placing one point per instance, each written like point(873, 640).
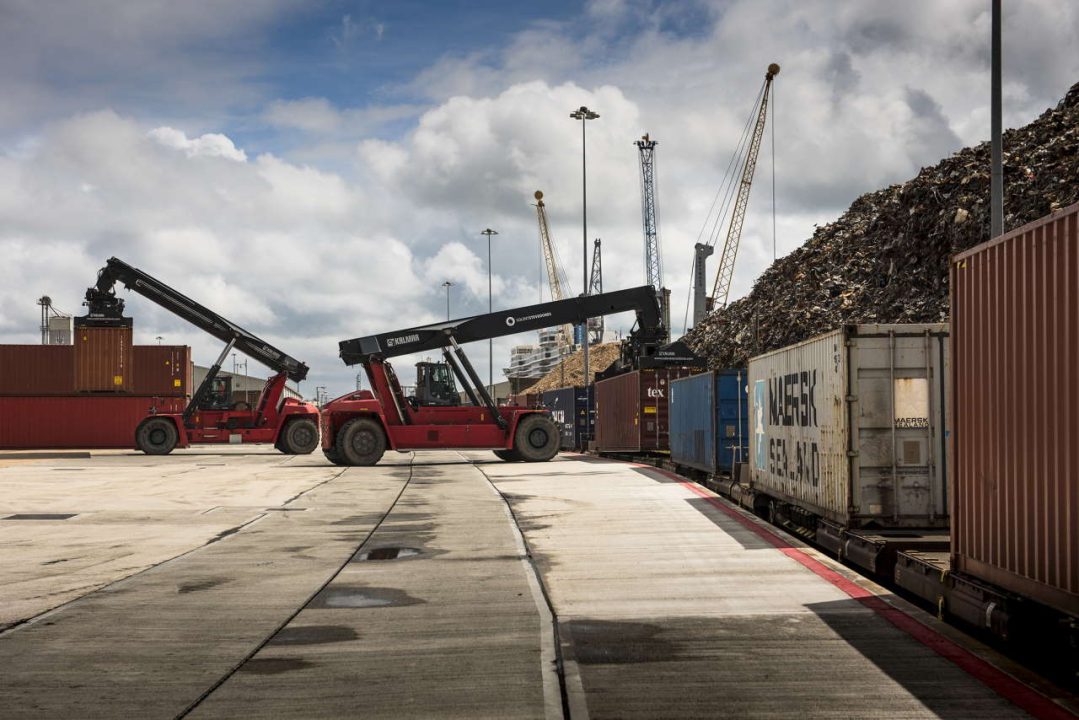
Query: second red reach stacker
point(359, 427)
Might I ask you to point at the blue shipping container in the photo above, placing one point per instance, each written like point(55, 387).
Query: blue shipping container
point(567, 406)
point(710, 421)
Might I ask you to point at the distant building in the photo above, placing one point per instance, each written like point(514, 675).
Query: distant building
point(245, 388)
point(535, 361)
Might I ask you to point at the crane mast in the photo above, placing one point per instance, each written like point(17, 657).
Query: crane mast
point(653, 262)
point(556, 276)
point(595, 287)
point(722, 287)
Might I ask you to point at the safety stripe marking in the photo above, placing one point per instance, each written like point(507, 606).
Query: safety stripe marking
point(1000, 682)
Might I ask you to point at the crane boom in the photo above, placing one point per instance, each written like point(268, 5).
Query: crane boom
point(653, 261)
point(595, 287)
point(722, 287)
point(556, 276)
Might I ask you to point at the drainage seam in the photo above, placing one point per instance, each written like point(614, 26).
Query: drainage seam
point(292, 616)
point(559, 660)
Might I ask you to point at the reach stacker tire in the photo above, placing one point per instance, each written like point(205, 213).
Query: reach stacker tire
point(333, 457)
point(508, 455)
point(299, 437)
point(361, 442)
point(536, 439)
point(156, 436)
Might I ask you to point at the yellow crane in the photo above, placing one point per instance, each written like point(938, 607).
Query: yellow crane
point(556, 275)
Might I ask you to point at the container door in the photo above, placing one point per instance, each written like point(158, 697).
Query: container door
point(896, 476)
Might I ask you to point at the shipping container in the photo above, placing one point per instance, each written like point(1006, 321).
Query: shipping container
point(76, 421)
point(161, 370)
point(570, 410)
point(37, 369)
point(632, 410)
point(850, 426)
point(1015, 447)
point(103, 359)
point(710, 421)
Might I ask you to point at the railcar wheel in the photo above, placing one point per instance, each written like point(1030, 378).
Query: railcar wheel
point(508, 455)
point(156, 436)
point(361, 442)
point(537, 438)
point(299, 437)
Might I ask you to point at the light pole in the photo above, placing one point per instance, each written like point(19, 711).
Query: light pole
point(447, 285)
point(159, 338)
point(584, 115)
point(490, 308)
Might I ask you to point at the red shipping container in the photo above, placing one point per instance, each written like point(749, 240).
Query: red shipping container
point(632, 411)
point(103, 359)
point(163, 370)
point(1014, 458)
point(76, 421)
point(37, 369)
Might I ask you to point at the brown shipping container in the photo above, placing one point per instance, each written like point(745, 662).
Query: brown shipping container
point(632, 410)
point(37, 369)
point(103, 359)
point(76, 421)
point(1015, 445)
point(163, 370)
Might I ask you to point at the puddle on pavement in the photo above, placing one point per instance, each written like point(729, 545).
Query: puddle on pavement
point(385, 553)
point(362, 597)
point(41, 516)
point(599, 642)
point(273, 666)
point(314, 635)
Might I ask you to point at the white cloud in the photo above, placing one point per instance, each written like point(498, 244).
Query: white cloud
point(208, 145)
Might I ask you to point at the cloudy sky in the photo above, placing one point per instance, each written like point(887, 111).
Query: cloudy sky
point(316, 170)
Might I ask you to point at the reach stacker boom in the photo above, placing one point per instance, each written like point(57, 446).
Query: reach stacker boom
point(359, 427)
point(211, 416)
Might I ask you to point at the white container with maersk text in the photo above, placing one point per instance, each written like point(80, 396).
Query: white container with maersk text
point(850, 426)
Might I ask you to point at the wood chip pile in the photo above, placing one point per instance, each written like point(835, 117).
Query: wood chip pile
point(886, 259)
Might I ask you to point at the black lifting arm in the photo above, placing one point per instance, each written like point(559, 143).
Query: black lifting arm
point(573, 311)
point(104, 305)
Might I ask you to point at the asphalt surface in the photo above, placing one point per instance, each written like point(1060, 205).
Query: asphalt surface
point(245, 583)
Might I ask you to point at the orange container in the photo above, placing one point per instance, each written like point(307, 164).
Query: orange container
point(103, 359)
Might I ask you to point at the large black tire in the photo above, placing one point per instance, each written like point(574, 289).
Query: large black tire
point(156, 436)
point(333, 457)
point(508, 455)
point(298, 437)
point(361, 442)
point(537, 438)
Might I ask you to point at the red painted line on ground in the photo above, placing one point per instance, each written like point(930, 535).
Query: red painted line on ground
point(1000, 682)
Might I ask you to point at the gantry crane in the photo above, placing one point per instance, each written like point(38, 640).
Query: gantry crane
point(556, 275)
point(722, 287)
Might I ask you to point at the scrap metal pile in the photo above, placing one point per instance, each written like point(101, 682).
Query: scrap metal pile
point(570, 371)
point(885, 260)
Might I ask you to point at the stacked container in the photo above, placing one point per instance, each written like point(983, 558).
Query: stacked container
point(850, 426)
point(632, 411)
point(1015, 451)
point(569, 409)
point(103, 359)
point(710, 421)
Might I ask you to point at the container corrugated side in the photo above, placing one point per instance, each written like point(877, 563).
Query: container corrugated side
point(76, 421)
point(1015, 450)
point(563, 404)
point(693, 422)
point(37, 370)
point(161, 370)
point(850, 425)
point(618, 413)
point(103, 359)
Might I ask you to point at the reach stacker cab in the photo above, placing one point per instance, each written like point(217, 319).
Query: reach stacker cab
point(211, 416)
point(359, 427)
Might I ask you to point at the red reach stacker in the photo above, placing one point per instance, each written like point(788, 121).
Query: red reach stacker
point(359, 427)
point(211, 416)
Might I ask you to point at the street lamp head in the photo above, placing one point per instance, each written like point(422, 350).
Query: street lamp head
point(583, 113)
point(488, 232)
point(447, 284)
